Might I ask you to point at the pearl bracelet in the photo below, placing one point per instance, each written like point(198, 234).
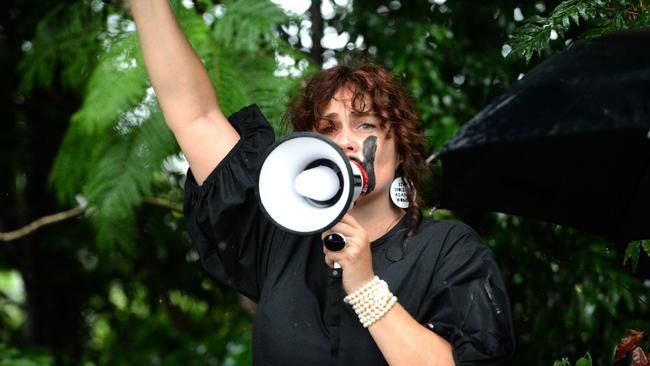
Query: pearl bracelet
point(371, 301)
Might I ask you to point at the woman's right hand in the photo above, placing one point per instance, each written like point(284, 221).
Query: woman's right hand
point(355, 258)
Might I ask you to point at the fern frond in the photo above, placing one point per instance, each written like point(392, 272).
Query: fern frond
point(113, 154)
point(65, 41)
point(239, 54)
point(603, 17)
point(195, 29)
point(76, 156)
point(118, 83)
point(124, 175)
point(535, 36)
point(241, 80)
point(248, 25)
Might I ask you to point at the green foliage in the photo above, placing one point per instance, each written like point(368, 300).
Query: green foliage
point(12, 303)
point(220, 333)
point(536, 34)
point(120, 133)
point(245, 45)
point(567, 289)
point(13, 357)
point(112, 158)
point(563, 362)
point(583, 361)
point(117, 84)
point(602, 17)
point(248, 26)
point(142, 295)
point(66, 38)
point(633, 251)
point(124, 175)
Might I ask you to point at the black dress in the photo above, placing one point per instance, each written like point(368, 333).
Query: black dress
point(445, 278)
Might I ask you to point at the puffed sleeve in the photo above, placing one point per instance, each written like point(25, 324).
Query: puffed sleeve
point(222, 216)
point(469, 304)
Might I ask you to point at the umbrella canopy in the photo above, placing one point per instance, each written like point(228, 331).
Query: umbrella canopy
point(569, 143)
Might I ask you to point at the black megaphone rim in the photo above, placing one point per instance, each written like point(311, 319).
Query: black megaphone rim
point(345, 158)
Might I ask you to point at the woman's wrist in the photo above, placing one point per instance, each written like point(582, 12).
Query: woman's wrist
point(351, 287)
point(371, 301)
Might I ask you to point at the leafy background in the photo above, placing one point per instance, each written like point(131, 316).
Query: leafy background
point(120, 283)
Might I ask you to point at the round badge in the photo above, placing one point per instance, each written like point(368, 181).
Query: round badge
point(398, 193)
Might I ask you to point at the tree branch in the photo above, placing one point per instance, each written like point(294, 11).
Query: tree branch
point(174, 206)
point(45, 220)
point(74, 212)
point(316, 32)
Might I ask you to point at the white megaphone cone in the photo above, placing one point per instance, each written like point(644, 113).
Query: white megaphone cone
point(306, 183)
point(318, 184)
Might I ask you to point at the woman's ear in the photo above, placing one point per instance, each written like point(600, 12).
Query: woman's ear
point(398, 167)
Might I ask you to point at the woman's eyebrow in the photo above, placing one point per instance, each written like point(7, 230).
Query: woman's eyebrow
point(333, 115)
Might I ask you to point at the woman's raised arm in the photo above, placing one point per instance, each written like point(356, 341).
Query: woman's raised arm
point(183, 88)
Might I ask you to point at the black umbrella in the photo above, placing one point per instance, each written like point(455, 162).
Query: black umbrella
point(569, 143)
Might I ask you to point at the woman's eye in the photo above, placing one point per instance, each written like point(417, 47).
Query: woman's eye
point(367, 126)
point(326, 128)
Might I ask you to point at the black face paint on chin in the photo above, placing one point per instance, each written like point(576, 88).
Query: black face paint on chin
point(368, 163)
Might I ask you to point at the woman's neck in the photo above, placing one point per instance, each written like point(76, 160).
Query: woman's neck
point(376, 215)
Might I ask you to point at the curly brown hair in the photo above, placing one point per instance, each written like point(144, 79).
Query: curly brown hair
point(389, 101)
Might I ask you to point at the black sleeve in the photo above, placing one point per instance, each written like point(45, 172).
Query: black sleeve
point(469, 305)
point(223, 218)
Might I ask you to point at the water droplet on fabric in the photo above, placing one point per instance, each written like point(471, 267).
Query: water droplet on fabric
point(222, 246)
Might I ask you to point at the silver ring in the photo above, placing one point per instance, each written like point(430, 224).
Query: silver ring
point(335, 241)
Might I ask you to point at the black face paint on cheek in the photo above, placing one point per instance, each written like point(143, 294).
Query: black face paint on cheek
point(368, 163)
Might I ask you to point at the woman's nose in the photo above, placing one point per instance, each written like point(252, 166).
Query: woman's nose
point(346, 141)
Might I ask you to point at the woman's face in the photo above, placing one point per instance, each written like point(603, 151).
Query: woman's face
point(362, 138)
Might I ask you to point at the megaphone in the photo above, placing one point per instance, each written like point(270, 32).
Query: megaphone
point(306, 183)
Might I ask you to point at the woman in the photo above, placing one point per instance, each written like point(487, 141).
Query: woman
point(412, 291)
